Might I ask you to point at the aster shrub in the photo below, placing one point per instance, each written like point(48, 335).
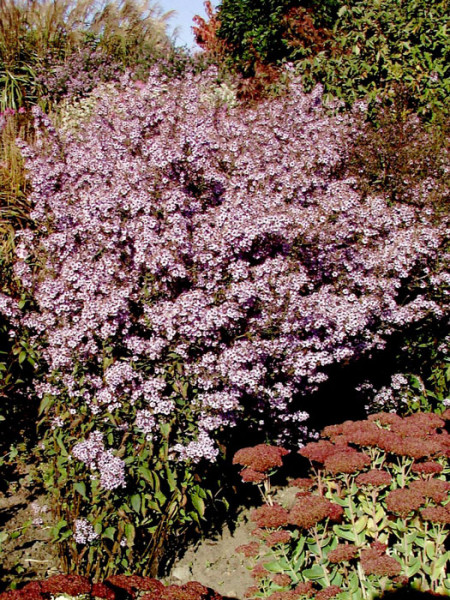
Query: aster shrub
point(373, 516)
point(195, 266)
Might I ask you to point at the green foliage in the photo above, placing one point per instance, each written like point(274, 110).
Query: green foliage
point(355, 49)
point(378, 44)
point(17, 358)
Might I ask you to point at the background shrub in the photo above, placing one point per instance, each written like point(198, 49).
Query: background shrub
point(354, 49)
point(272, 30)
point(377, 45)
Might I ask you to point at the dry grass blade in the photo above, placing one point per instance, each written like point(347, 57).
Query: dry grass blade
point(14, 187)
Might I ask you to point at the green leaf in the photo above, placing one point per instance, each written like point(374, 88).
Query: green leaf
point(430, 550)
point(413, 568)
point(165, 429)
point(274, 567)
point(360, 524)
point(441, 562)
point(198, 504)
point(344, 532)
point(130, 533)
point(337, 579)
point(109, 533)
point(80, 487)
point(315, 572)
point(160, 498)
point(46, 400)
point(171, 480)
point(98, 528)
point(146, 474)
point(136, 503)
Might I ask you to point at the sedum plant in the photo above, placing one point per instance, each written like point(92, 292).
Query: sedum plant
point(372, 516)
point(76, 587)
point(194, 267)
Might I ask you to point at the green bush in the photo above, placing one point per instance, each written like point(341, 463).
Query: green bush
point(378, 44)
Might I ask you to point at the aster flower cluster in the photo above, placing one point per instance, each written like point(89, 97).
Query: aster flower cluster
point(372, 518)
point(92, 452)
point(84, 532)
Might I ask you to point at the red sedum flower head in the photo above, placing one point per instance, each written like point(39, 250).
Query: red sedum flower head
point(374, 478)
point(305, 589)
point(259, 571)
point(282, 579)
point(304, 483)
point(318, 451)
point(403, 501)
point(74, 585)
point(251, 591)
point(383, 566)
point(329, 592)
point(249, 550)
point(427, 468)
point(436, 489)
point(277, 537)
point(270, 516)
point(260, 458)
point(342, 553)
point(384, 418)
point(346, 462)
point(436, 514)
point(251, 476)
point(336, 513)
point(309, 510)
